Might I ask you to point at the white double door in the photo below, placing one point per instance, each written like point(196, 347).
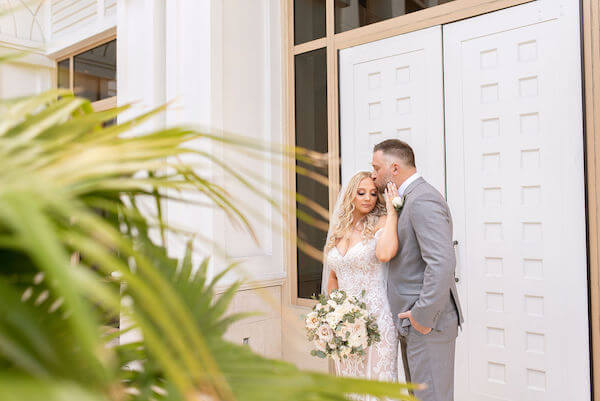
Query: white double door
point(492, 107)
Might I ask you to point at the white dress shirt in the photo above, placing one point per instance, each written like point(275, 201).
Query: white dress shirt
point(406, 183)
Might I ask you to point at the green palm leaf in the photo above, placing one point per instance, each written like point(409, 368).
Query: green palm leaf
point(69, 196)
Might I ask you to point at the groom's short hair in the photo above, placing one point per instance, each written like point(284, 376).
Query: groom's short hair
point(398, 149)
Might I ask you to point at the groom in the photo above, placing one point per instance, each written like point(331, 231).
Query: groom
point(421, 288)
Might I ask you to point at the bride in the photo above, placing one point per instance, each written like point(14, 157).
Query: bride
point(362, 237)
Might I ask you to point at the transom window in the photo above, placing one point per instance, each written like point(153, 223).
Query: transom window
point(91, 74)
point(310, 15)
point(350, 14)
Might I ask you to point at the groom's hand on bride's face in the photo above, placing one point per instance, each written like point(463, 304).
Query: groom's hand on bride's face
point(413, 323)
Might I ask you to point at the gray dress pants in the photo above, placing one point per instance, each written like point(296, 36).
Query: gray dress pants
point(429, 359)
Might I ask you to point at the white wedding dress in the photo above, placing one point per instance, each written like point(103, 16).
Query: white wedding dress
point(358, 270)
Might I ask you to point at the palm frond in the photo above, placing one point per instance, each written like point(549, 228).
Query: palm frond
point(69, 207)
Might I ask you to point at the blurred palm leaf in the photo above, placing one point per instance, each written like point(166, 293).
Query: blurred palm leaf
point(70, 187)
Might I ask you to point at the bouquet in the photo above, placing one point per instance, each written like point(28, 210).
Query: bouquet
point(340, 327)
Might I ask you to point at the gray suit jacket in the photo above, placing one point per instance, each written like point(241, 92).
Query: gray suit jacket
point(421, 275)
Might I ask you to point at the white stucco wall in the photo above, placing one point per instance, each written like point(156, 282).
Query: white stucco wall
point(220, 61)
point(24, 29)
point(28, 75)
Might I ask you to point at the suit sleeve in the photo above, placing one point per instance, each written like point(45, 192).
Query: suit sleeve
point(433, 229)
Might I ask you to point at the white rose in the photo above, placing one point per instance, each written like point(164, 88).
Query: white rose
point(320, 345)
point(358, 331)
point(333, 318)
point(344, 328)
point(337, 296)
point(355, 340)
point(312, 320)
point(325, 333)
point(361, 328)
point(345, 352)
point(398, 202)
point(344, 308)
point(332, 303)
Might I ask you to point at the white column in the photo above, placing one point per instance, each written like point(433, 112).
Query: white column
point(189, 80)
point(140, 75)
point(141, 66)
point(141, 57)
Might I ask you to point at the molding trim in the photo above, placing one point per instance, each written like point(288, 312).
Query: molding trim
point(310, 46)
point(105, 104)
point(254, 285)
point(29, 59)
point(21, 44)
point(61, 52)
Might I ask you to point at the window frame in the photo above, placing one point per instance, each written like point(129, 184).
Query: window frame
point(333, 42)
point(81, 47)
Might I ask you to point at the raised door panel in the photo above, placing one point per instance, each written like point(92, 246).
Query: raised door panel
point(392, 88)
point(516, 188)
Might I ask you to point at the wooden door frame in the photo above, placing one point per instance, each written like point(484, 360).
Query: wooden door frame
point(591, 84)
point(444, 14)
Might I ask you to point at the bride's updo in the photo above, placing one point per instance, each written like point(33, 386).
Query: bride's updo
point(342, 220)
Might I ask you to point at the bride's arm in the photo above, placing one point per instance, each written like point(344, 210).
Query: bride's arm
point(387, 245)
point(332, 283)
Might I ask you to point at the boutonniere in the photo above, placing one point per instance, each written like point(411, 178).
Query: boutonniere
point(398, 202)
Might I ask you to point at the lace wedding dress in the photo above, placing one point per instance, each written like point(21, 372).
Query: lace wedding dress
point(356, 271)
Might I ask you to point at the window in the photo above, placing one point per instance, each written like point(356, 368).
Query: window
point(350, 14)
point(92, 74)
point(311, 133)
point(95, 72)
point(309, 20)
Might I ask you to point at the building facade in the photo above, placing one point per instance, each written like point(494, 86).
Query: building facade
point(499, 98)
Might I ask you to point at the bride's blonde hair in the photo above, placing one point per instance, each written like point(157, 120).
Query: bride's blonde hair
point(345, 214)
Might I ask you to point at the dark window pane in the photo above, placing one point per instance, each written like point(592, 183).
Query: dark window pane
point(350, 14)
point(63, 74)
point(311, 133)
point(309, 20)
point(110, 122)
point(95, 72)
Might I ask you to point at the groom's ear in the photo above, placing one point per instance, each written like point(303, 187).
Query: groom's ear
point(395, 168)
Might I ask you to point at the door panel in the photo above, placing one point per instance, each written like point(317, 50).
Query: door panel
point(515, 182)
point(516, 189)
point(392, 88)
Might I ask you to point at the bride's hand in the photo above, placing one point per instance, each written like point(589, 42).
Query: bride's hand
point(390, 193)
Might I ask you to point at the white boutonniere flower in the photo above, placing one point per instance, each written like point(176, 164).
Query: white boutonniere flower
point(398, 202)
